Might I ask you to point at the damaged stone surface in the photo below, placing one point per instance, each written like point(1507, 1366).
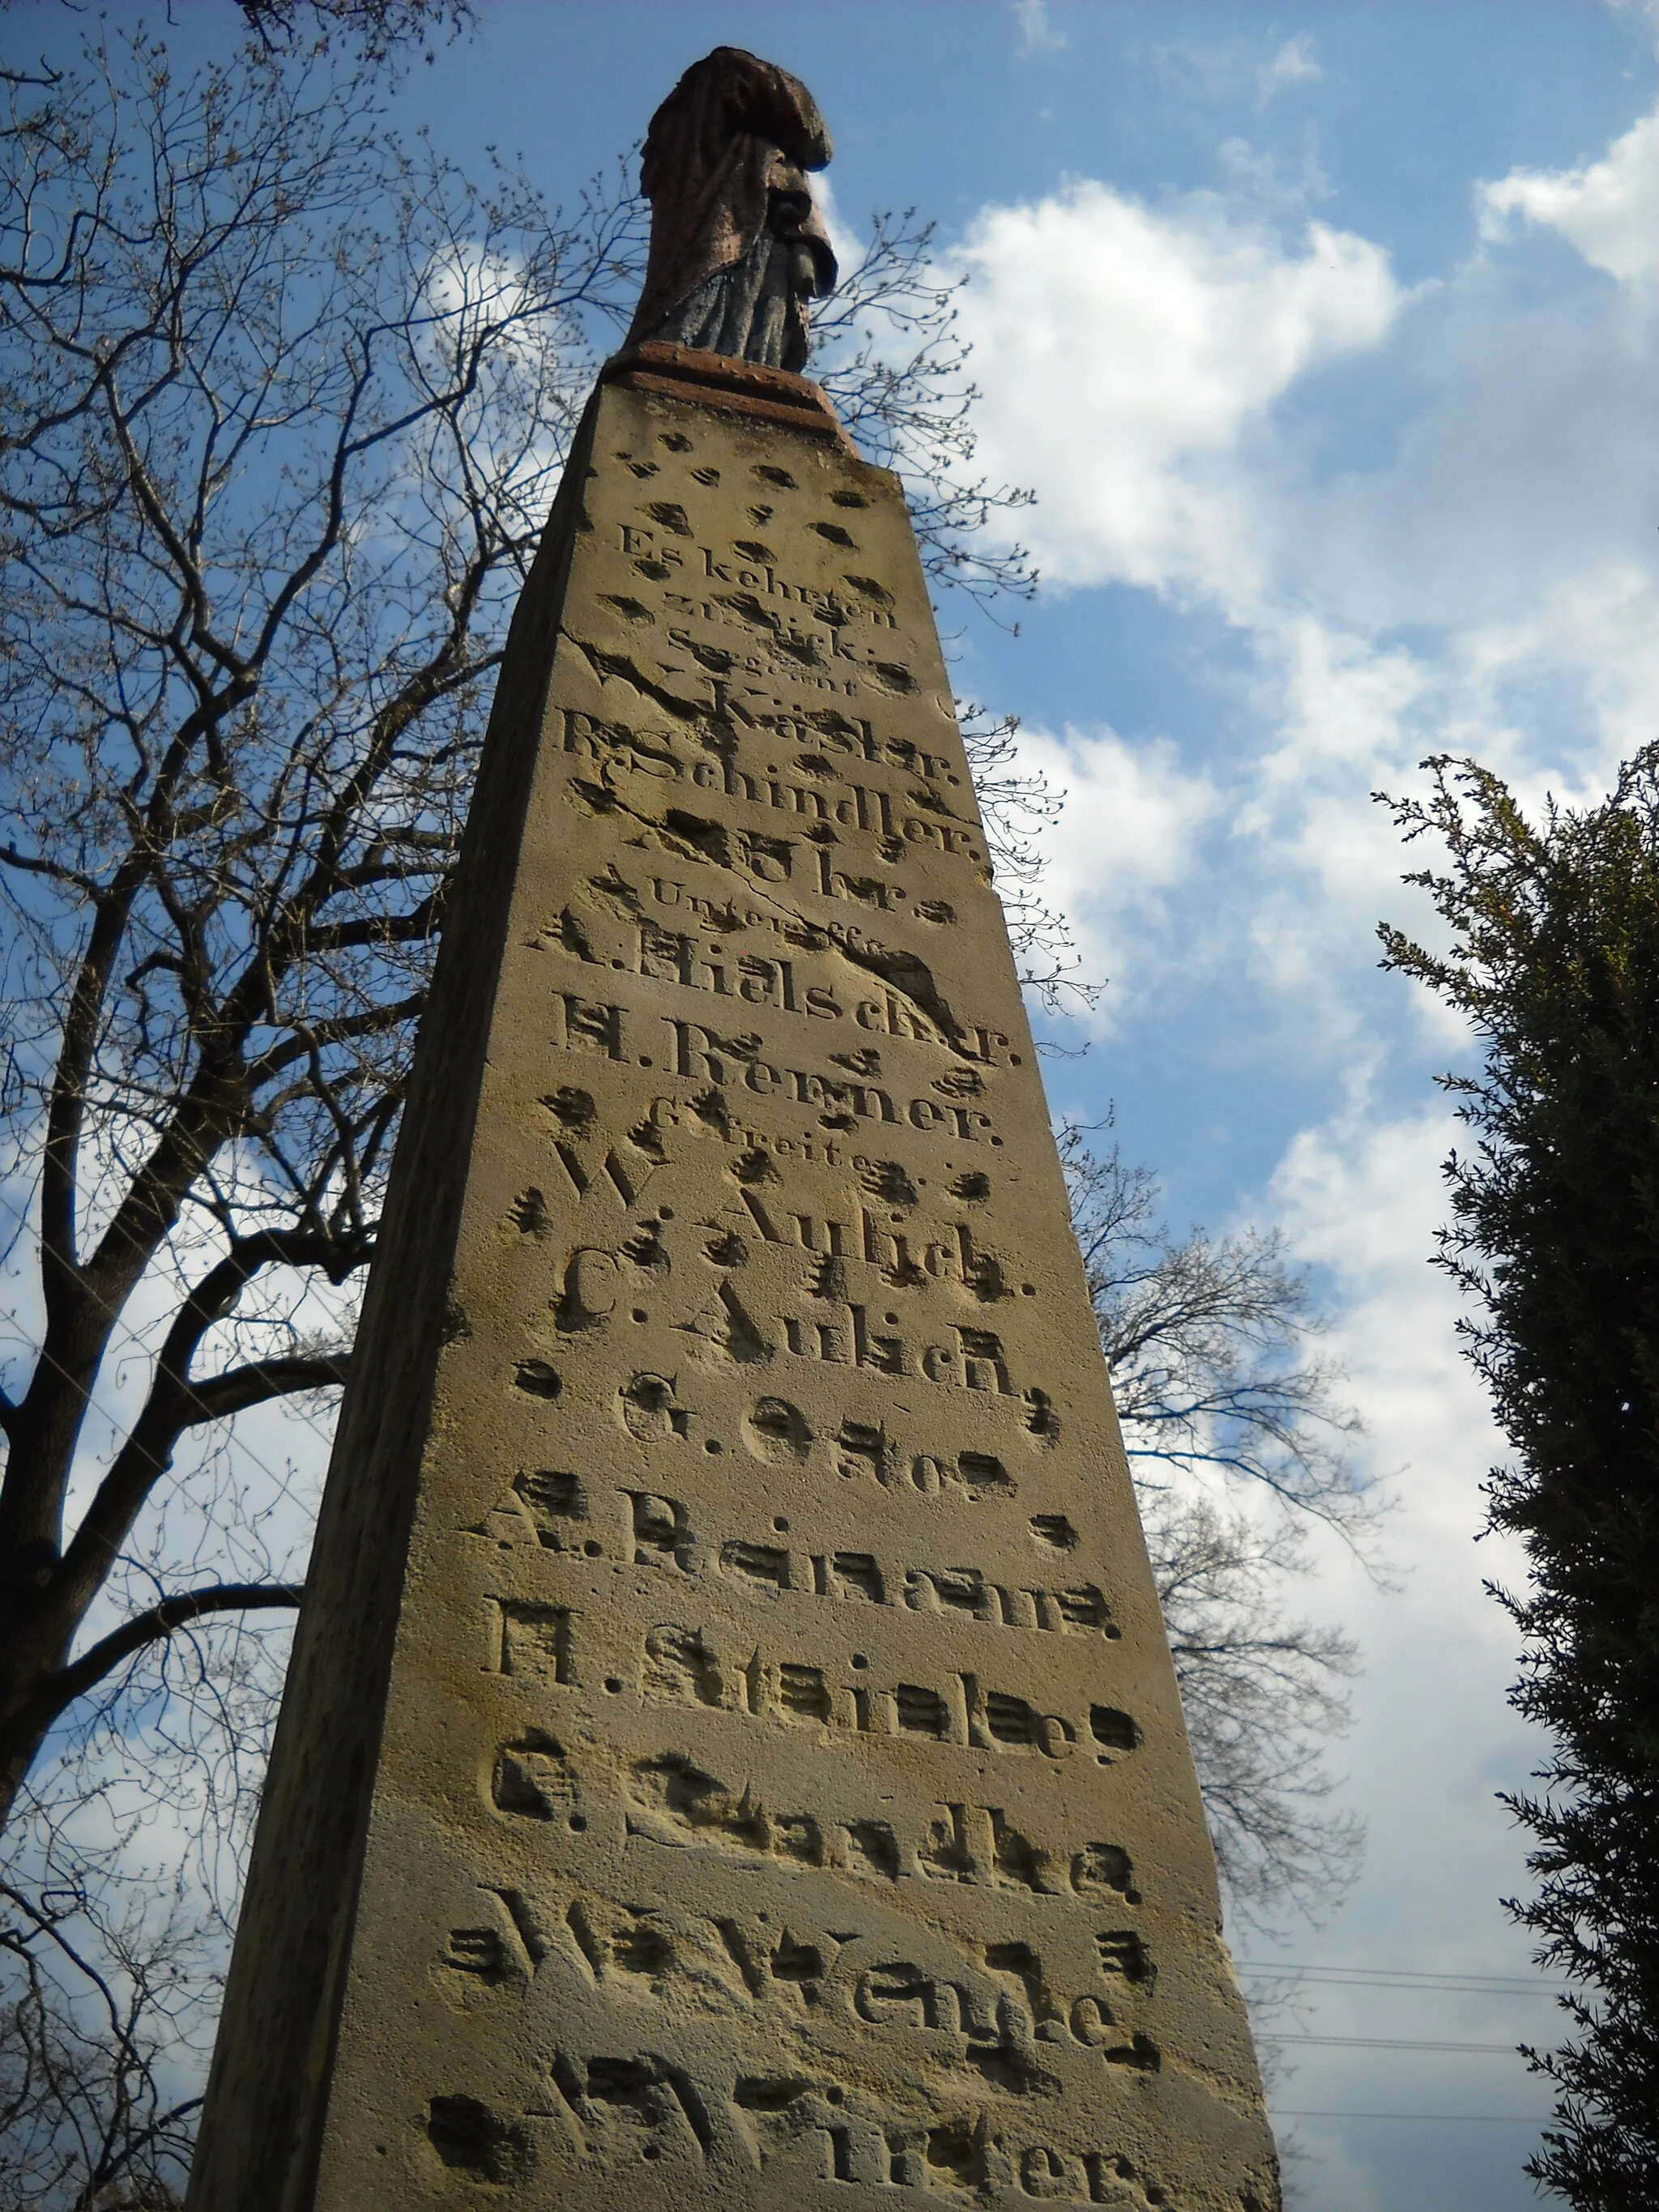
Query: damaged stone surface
point(732, 1756)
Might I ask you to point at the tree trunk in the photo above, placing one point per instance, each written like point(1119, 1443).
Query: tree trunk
point(35, 1638)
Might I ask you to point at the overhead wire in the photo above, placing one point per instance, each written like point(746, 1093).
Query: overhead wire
point(1423, 1984)
point(1386, 1978)
point(1385, 2043)
point(1462, 2119)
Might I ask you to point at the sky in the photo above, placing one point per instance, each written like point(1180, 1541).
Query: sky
point(1327, 337)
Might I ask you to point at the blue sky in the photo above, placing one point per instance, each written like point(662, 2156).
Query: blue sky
point(1327, 336)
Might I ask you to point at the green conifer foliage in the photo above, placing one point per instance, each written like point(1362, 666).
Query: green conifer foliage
point(1554, 959)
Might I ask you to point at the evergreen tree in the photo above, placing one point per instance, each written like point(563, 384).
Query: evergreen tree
point(1554, 959)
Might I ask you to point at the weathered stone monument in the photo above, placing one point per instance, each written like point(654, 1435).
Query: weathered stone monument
point(732, 1756)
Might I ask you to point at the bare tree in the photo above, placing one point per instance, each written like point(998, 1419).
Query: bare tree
point(1237, 1438)
point(235, 737)
point(888, 352)
point(1260, 1691)
point(1020, 806)
point(97, 2113)
point(380, 28)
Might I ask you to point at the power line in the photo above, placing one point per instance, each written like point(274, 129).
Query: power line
point(1463, 2119)
point(1385, 2043)
point(1392, 1977)
point(1406, 1974)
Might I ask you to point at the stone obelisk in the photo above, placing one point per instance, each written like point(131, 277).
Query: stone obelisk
point(732, 1756)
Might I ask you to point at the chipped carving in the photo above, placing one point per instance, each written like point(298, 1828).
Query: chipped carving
point(724, 1333)
point(543, 1505)
point(671, 1801)
point(589, 1296)
point(533, 1779)
point(529, 1214)
point(680, 1668)
point(1123, 1951)
point(650, 1409)
point(659, 1532)
point(684, 1665)
point(472, 2138)
point(1114, 1732)
point(776, 1431)
point(1099, 1867)
point(538, 1378)
point(532, 1642)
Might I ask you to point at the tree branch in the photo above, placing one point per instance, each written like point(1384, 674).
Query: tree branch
point(174, 1405)
point(219, 1396)
point(85, 1673)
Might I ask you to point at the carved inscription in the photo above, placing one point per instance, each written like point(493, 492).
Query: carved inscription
point(698, 1055)
point(710, 956)
point(992, 2008)
point(681, 1664)
point(634, 2108)
point(807, 1836)
point(648, 1529)
point(636, 769)
point(853, 980)
point(670, 1799)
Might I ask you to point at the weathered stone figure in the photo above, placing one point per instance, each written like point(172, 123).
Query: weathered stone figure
point(731, 1760)
point(737, 246)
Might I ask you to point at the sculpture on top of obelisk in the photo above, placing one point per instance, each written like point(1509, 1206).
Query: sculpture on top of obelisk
point(738, 247)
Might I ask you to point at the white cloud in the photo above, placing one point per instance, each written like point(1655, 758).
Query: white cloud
point(1480, 581)
point(1262, 179)
point(1608, 210)
point(1362, 1198)
point(1293, 65)
point(1344, 718)
point(1038, 35)
point(1127, 837)
point(1344, 700)
point(1125, 353)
